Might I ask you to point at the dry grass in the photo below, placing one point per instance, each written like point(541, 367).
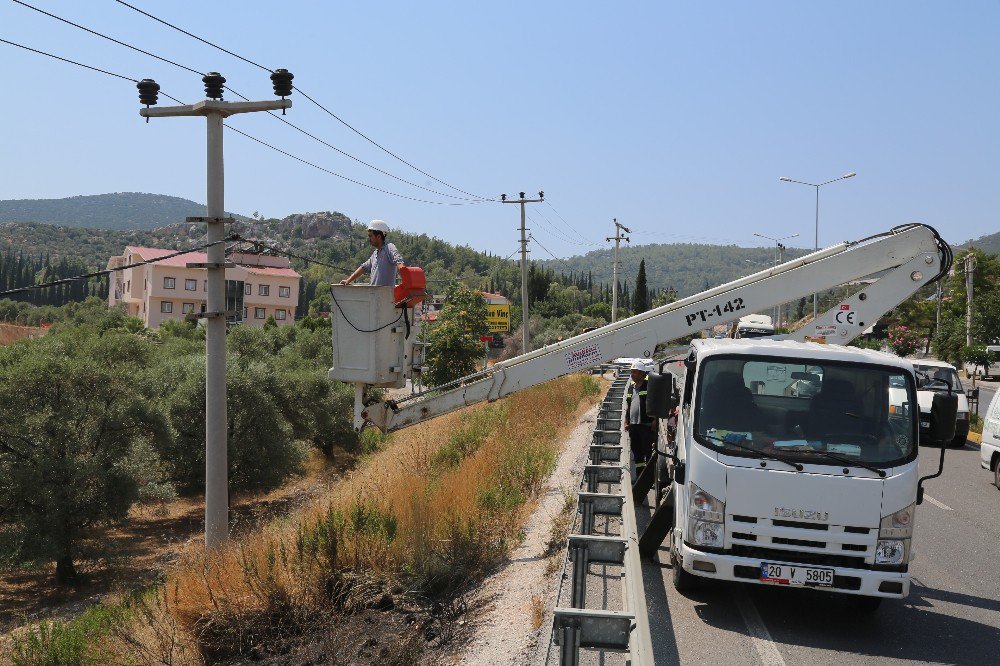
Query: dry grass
point(426, 514)
point(433, 510)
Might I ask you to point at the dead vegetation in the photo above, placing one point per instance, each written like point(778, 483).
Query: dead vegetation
point(372, 572)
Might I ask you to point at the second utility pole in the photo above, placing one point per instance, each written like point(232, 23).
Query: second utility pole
point(617, 238)
point(524, 266)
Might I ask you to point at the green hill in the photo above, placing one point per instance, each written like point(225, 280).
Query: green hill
point(120, 210)
point(989, 244)
point(687, 267)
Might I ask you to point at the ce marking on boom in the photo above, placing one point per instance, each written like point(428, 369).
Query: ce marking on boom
point(844, 316)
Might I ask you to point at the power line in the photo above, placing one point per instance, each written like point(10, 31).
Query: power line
point(230, 89)
point(556, 233)
point(308, 97)
point(72, 62)
point(550, 254)
point(108, 271)
point(570, 226)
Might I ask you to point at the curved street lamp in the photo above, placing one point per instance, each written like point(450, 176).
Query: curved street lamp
point(817, 186)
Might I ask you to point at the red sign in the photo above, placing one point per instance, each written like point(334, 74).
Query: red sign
point(486, 338)
point(845, 307)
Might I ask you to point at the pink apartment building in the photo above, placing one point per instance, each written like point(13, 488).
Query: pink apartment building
point(258, 287)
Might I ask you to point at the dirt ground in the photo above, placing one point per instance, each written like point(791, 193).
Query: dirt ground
point(135, 555)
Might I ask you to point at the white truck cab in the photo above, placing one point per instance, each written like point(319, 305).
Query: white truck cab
point(990, 449)
point(794, 467)
point(935, 377)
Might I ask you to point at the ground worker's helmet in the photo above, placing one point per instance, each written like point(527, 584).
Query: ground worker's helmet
point(378, 225)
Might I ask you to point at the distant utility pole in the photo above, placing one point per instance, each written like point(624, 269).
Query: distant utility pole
point(524, 264)
point(970, 271)
point(216, 437)
point(781, 259)
point(617, 238)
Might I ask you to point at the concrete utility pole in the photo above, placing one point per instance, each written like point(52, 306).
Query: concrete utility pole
point(524, 264)
point(779, 253)
point(216, 437)
point(617, 238)
point(970, 271)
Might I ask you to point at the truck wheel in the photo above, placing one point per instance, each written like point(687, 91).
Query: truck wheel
point(866, 604)
point(683, 581)
point(958, 442)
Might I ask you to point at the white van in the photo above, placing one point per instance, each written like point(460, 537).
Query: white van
point(992, 370)
point(990, 451)
point(933, 380)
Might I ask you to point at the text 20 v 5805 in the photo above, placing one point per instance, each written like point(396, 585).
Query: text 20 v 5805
point(716, 311)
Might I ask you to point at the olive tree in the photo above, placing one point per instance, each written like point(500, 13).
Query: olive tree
point(77, 431)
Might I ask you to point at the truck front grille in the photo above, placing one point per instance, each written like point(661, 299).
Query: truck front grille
point(799, 557)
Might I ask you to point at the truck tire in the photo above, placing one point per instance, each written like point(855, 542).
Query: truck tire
point(683, 581)
point(957, 443)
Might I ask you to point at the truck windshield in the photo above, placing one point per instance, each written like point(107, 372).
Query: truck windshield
point(938, 378)
point(802, 409)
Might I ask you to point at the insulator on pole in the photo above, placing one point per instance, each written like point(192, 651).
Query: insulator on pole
point(282, 81)
point(148, 89)
point(213, 85)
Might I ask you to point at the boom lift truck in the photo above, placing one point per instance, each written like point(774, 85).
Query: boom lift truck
point(794, 462)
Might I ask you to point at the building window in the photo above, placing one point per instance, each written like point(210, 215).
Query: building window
point(168, 283)
point(205, 288)
point(284, 292)
point(190, 285)
point(244, 314)
point(258, 313)
point(263, 290)
point(279, 314)
point(187, 308)
point(166, 306)
point(247, 289)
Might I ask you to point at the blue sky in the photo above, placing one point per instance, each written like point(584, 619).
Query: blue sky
point(675, 118)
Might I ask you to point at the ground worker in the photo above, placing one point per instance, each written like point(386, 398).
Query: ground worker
point(385, 260)
point(640, 426)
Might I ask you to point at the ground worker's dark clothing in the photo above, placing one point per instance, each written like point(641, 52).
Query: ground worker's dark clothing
point(641, 435)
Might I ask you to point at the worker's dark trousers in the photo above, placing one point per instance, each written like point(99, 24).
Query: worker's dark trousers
point(641, 439)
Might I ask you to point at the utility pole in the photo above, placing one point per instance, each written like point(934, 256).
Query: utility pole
point(970, 271)
point(216, 437)
point(617, 238)
point(524, 264)
point(780, 249)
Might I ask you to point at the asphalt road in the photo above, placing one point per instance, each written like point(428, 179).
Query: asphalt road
point(951, 616)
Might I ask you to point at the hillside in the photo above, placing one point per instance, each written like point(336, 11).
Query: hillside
point(989, 244)
point(120, 210)
point(687, 267)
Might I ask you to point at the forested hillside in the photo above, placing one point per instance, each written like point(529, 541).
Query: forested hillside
point(685, 267)
point(989, 244)
point(119, 210)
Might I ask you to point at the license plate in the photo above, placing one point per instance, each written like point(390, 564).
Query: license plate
point(793, 574)
point(925, 424)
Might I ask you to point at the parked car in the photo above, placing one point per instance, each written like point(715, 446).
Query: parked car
point(990, 451)
point(990, 371)
point(935, 377)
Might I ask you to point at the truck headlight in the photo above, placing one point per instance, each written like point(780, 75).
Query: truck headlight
point(898, 525)
point(706, 518)
point(704, 506)
point(891, 551)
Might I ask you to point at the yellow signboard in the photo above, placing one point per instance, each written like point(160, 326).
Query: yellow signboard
point(498, 318)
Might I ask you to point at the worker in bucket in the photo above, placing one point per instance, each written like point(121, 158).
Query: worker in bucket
point(640, 426)
point(385, 261)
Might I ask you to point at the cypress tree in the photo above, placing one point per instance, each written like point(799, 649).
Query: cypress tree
point(641, 299)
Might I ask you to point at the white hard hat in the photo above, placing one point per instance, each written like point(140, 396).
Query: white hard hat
point(378, 225)
point(641, 364)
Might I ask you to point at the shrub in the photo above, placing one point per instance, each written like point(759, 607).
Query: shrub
point(903, 340)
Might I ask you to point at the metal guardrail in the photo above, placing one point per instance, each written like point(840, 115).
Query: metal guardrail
point(624, 630)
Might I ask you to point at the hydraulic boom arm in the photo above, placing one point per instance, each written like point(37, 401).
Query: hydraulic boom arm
point(903, 259)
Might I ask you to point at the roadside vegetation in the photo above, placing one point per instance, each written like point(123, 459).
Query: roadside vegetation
point(422, 518)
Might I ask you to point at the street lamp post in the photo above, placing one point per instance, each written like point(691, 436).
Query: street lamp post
point(816, 246)
point(778, 249)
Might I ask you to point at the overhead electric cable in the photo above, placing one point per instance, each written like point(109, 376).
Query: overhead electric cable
point(108, 271)
point(570, 226)
point(287, 122)
point(550, 254)
point(308, 97)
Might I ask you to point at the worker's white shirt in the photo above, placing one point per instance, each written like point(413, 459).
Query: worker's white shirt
point(635, 409)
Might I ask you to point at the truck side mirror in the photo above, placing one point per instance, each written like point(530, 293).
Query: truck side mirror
point(944, 412)
point(661, 395)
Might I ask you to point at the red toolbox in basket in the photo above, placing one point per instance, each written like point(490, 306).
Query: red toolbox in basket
point(413, 288)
